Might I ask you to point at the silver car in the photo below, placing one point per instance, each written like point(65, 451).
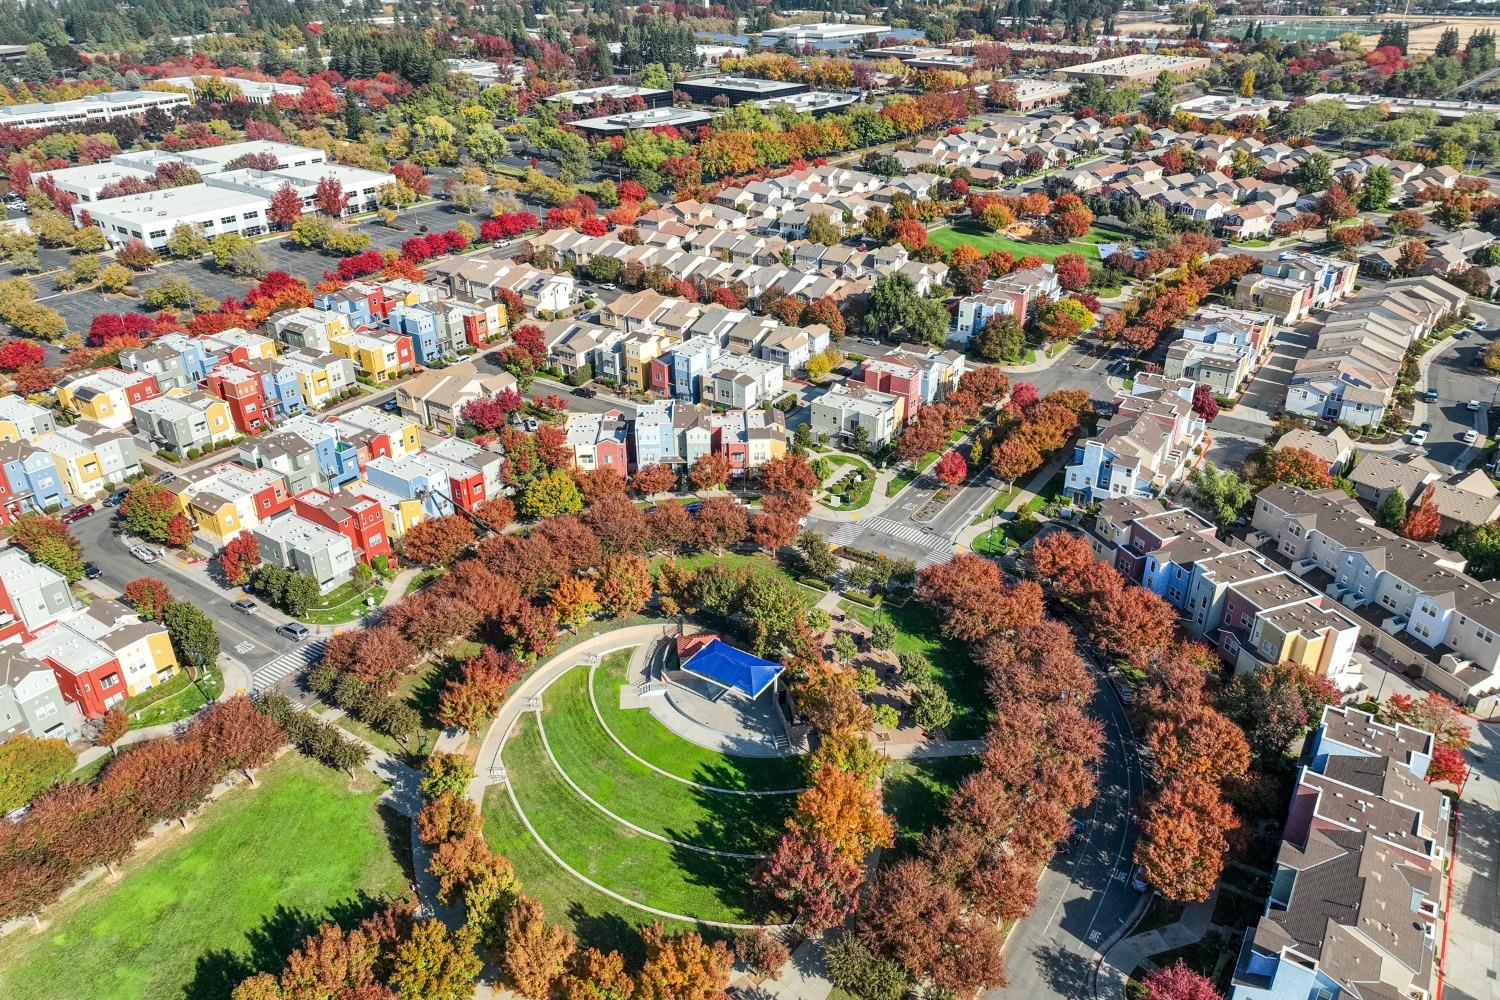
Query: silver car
point(146, 553)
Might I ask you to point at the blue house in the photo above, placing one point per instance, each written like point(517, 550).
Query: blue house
point(283, 391)
point(195, 360)
point(338, 461)
point(421, 325)
point(34, 483)
point(349, 303)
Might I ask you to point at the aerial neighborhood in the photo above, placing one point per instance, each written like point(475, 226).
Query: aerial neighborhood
point(660, 502)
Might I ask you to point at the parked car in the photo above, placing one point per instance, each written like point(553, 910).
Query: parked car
point(245, 607)
point(1430, 396)
point(146, 553)
point(77, 513)
point(585, 393)
point(1426, 425)
point(91, 572)
point(295, 631)
point(163, 478)
point(389, 405)
point(532, 424)
point(1479, 324)
point(1470, 436)
point(1461, 335)
point(116, 498)
point(1418, 436)
point(1472, 404)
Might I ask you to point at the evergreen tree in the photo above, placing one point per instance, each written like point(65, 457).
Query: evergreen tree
point(1392, 512)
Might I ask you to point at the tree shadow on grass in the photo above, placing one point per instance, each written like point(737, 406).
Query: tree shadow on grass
point(220, 970)
point(398, 838)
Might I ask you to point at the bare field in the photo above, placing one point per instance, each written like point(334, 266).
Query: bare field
point(1424, 33)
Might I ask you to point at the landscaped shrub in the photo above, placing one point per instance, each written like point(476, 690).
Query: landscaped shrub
point(322, 741)
point(854, 970)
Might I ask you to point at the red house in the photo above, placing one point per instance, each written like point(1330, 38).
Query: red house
point(243, 391)
point(357, 518)
point(659, 377)
point(894, 378)
point(466, 489)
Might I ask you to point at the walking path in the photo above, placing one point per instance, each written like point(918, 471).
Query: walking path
point(1133, 954)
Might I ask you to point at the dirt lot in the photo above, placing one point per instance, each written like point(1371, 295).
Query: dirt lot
point(1424, 33)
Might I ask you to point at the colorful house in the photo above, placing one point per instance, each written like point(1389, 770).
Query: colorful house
point(24, 421)
point(106, 395)
point(243, 392)
point(91, 458)
point(358, 518)
point(33, 483)
point(378, 356)
point(183, 420)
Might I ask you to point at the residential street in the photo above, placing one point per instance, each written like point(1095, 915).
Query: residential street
point(1472, 969)
point(1085, 897)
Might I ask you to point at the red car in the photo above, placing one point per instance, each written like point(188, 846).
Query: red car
point(76, 513)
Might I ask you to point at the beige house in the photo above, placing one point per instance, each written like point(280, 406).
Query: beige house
point(436, 398)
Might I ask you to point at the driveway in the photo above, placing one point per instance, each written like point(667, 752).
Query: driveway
point(1266, 393)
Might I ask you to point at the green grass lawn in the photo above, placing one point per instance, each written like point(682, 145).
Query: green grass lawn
point(631, 790)
point(675, 879)
point(230, 897)
point(967, 231)
point(344, 603)
point(175, 699)
point(952, 666)
point(901, 481)
point(596, 920)
point(639, 730)
point(861, 494)
point(915, 792)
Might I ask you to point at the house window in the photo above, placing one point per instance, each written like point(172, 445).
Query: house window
point(109, 681)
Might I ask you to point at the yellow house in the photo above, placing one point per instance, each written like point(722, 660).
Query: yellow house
point(378, 356)
point(90, 459)
point(640, 350)
point(145, 654)
point(1319, 639)
point(106, 395)
point(256, 346)
point(361, 425)
point(231, 499)
point(77, 466)
point(184, 419)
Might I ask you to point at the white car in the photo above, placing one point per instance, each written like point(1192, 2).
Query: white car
point(145, 553)
point(1479, 324)
point(1472, 404)
point(1470, 436)
point(1418, 436)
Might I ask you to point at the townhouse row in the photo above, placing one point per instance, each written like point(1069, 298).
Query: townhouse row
point(1149, 441)
point(1357, 903)
point(1350, 375)
point(44, 466)
point(62, 661)
point(1237, 600)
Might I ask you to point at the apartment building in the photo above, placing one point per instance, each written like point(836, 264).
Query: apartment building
point(1222, 347)
point(845, 407)
point(354, 515)
point(1145, 445)
point(24, 421)
point(1008, 295)
point(737, 381)
point(91, 458)
point(308, 453)
point(1358, 894)
point(378, 433)
point(435, 399)
point(1418, 606)
point(32, 482)
point(920, 374)
point(228, 498)
point(599, 441)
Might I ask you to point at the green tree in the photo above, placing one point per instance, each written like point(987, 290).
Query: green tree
point(147, 509)
point(434, 964)
point(29, 765)
point(1220, 493)
point(194, 638)
point(298, 595)
point(1480, 545)
point(550, 495)
point(1376, 193)
point(1313, 174)
point(1392, 511)
point(1002, 339)
point(47, 540)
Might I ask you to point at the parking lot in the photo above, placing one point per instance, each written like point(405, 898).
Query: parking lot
point(78, 308)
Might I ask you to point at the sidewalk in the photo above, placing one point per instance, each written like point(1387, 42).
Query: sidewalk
point(1030, 491)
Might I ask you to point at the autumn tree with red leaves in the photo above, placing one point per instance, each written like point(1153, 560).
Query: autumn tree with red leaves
point(1293, 467)
point(1178, 982)
point(240, 555)
point(653, 479)
point(809, 877)
point(1129, 622)
point(438, 541)
point(1424, 520)
point(1183, 839)
point(147, 597)
point(1204, 404)
point(711, 470)
point(951, 469)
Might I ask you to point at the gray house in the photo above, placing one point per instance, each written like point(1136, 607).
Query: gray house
point(297, 544)
point(30, 701)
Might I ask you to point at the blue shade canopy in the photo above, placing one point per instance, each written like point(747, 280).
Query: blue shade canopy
point(733, 668)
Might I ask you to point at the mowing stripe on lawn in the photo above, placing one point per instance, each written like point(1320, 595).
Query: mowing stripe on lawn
point(653, 743)
point(542, 732)
point(669, 881)
point(733, 823)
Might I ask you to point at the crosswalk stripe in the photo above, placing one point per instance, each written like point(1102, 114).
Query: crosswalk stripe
point(845, 534)
point(288, 663)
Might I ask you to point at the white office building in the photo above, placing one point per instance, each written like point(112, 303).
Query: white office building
point(94, 108)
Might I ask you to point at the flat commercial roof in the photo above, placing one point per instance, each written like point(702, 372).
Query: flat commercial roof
point(649, 118)
point(744, 84)
point(168, 203)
